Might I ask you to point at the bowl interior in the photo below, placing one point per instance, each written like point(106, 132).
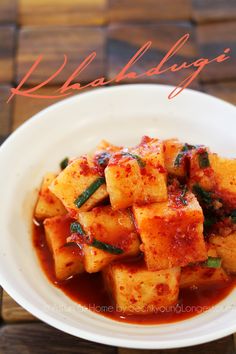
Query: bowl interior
point(121, 115)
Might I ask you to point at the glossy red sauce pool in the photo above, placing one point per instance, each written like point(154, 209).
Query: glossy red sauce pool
point(88, 290)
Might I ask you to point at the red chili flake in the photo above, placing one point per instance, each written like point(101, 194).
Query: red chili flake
point(85, 168)
point(161, 169)
point(162, 289)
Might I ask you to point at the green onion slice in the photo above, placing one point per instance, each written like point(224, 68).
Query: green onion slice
point(212, 262)
point(100, 245)
point(82, 198)
point(75, 227)
point(203, 159)
point(183, 195)
point(71, 244)
point(202, 194)
point(233, 216)
point(103, 158)
point(209, 221)
point(64, 163)
point(182, 153)
point(106, 247)
point(136, 157)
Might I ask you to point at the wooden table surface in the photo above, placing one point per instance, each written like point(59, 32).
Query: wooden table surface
point(115, 29)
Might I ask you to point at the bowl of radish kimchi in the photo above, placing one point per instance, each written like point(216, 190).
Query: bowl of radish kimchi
point(118, 220)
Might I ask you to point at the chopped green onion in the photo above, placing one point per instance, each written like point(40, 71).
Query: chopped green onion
point(212, 262)
point(64, 163)
point(136, 157)
point(103, 158)
point(178, 159)
point(182, 153)
point(203, 159)
point(70, 244)
point(209, 221)
point(82, 198)
point(75, 227)
point(233, 216)
point(106, 247)
point(202, 194)
point(98, 244)
point(189, 147)
point(182, 196)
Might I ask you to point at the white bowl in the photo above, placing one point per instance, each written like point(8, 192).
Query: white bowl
point(122, 115)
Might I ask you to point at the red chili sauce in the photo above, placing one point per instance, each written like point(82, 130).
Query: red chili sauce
point(89, 291)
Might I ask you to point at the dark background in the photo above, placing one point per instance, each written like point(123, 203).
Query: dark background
point(115, 29)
